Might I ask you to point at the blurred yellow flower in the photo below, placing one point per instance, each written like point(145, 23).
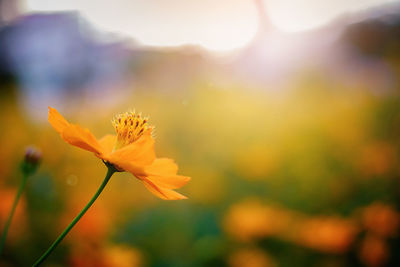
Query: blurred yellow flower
point(328, 234)
point(381, 219)
point(373, 251)
point(102, 255)
point(251, 219)
point(132, 150)
point(123, 256)
point(250, 257)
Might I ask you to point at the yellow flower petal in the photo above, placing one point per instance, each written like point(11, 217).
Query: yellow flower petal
point(107, 142)
point(163, 165)
point(74, 134)
point(57, 121)
point(163, 173)
point(83, 138)
point(163, 193)
point(140, 152)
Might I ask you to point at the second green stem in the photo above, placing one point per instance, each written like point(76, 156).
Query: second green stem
point(14, 206)
point(110, 172)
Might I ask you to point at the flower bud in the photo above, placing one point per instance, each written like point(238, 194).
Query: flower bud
point(32, 159)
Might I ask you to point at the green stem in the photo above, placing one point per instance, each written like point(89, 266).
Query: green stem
point(10, 216)
point(110, 172)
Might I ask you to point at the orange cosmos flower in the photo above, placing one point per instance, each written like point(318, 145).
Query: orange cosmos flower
point(131, 149)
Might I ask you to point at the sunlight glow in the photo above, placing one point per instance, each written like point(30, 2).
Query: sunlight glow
point(215, 25)
point(301, 15)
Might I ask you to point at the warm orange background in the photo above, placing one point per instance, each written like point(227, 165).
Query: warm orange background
point(292, 146)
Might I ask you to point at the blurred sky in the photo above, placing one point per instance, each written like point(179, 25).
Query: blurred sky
point(215, 25)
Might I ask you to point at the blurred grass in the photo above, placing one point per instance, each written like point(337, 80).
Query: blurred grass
point(314, 155)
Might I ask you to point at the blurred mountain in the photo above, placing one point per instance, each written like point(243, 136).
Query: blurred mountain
point(371, 49)
point(58, 51)
point(378, 37)
point(334, 48)
point(55, 56)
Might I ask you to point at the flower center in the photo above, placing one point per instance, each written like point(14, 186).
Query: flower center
point(129, 127)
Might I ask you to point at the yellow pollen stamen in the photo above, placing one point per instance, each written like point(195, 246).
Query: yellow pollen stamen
point(129, 127)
